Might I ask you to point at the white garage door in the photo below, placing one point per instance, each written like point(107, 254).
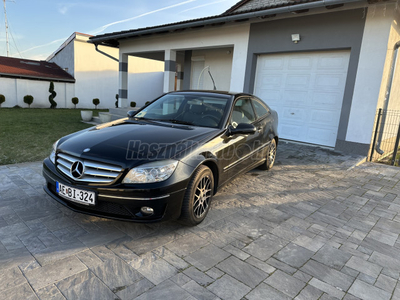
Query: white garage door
point(306, 89)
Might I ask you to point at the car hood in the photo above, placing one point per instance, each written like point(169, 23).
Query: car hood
point(129, 143)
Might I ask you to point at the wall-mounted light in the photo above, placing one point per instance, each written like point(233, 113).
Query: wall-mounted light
point(295, 38)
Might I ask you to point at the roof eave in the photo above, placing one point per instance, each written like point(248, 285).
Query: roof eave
point(10, 75)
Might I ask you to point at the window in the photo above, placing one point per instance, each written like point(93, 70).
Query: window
point(242, 112)
point(260, 108)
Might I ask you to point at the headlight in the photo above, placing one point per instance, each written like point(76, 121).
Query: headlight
point(151, 172)
point(53, 153)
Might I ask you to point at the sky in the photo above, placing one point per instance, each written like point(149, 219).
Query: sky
point(38, 27)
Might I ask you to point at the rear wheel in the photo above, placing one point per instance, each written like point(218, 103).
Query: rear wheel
point(197, 200)
point(271, 155)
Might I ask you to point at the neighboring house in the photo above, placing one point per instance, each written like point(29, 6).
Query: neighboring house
point(96, 72)
point(323, 65)
point(20, 77)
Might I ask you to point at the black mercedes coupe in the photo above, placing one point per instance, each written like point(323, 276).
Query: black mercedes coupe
point(164, 161)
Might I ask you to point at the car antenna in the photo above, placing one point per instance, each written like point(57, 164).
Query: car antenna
point(209, 72)
point(201, 73)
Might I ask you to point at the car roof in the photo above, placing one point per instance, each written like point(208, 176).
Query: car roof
point(210, 92)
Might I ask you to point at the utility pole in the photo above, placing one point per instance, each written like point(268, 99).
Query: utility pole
point(5, 18)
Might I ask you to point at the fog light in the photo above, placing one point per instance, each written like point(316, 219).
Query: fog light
point(147, 211)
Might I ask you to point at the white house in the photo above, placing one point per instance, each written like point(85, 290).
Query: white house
point(324, 65)
point(96, 71)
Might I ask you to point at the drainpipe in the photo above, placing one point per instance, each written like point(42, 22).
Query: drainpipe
point(387, 96)
point(106, 54)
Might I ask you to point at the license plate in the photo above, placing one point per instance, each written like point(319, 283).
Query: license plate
point(76, 195)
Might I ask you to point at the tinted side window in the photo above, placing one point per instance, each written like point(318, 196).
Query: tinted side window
point(260, 109)
point(242, 112)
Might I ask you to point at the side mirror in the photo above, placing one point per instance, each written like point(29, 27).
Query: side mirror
point(131, 113)
point(242, 128)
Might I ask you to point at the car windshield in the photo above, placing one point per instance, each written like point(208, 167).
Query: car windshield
point(187, 109)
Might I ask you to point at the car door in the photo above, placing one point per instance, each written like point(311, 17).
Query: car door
point(237, 155)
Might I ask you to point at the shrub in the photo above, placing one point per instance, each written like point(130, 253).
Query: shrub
point(28, 99)
point(116, 102)
point(2, 99)
point(147, 102)
point(17, 106)
point(53, 94)
point(75, 101)
point(133, 104)
point(96, 101)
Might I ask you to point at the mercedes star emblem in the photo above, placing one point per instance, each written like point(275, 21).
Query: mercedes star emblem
point(86, 150)
point(77, 169)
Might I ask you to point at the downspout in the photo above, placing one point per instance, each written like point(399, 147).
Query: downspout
point(106, 54)
point(387, 96)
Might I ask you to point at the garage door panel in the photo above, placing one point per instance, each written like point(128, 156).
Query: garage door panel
point(300, 63)
point(298, 81)
point(306, 89)
point(295, 98)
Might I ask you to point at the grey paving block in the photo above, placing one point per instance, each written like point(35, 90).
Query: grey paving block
point(186, 245)
point(23, 291)
point(157, 271)
point(264, 291)
point(54, 272)
point(332, 257)
point(135, 289)
point(294, 255)
point(167, 290)
point(199, 277)
point(266, 246)
point(242, 271)
point(84, 285)
point(326, 274)
point(150, 242)
point(207, 257)
point(386, 283)
point(281, 266)
point(199, 292)
point(385, 261)
point(11, 279)
point(260, 265)
point(363, 266)
point(312, 244)
point(368, 292)
point(285, 283)
point(170, 257)
point(50, 292)
point(309, 293)
point(228, 288)
point(330, 290)
point(180, 279)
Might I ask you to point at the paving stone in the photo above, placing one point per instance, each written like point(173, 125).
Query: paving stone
point(237, 252)
point(135, 289)
point(15, 258)
point(170, 257)
point(386, 238)
point(54, 272)
point(180, 279)
point(215, 273)
point(167, 290)
point(228, 288)
point(281, 266)
point(187, 245)
point(368, 292)
point(302, 276)
point(242, 271)
point(309, 293)
point(312, 244)
point(199, 277)
point(285, 283)
point(150, 242)
point(366, 278)
point(11, 279)
point(198, 291)
point(332, 257)
point(50, 292)
point(23, 291)
point(385, 261)
point(324, 273)
point(294, 255)
point(260, 265)
point(386, 283)
point(264, 291)
point(158, 271)
point(264, 247)
point(363, 266)
point(327, 288)
point(84, 285)
point(207, 257)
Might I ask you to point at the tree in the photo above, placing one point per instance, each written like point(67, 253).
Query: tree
point(2, 99)
point(28, 99)
point(75, 101)
point(53, 94)
point(96, 101)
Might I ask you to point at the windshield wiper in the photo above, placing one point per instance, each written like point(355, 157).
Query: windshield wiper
point(177, 122)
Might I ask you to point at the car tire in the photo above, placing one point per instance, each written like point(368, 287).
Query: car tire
point(198, 196)
point(271, 156)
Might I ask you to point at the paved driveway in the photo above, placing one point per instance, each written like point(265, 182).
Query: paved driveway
point(309, 229)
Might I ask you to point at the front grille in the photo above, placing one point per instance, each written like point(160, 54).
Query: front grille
point(94, 172)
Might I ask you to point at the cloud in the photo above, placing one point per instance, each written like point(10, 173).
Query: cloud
point(44, 45)
point(65, 7)
point(104, 27)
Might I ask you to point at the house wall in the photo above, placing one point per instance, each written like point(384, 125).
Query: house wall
point(65, 58)
point(220, 62)
point(15, 89)
point(229, 36)
point(377, 47)
point(328, 31)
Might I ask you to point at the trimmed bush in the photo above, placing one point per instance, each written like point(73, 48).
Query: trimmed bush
point(116, 102)
point(133, 104)
point(147, 102)
point(2, 99)
point(53, 94)
point(96, 101)
point(28, 99)
point(75, 101)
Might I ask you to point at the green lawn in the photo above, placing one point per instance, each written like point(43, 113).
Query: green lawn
point(28, 134)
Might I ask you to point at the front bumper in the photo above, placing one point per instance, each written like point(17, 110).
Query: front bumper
point(117, 201)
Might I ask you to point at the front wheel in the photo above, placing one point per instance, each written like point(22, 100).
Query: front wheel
point(271, 155)
point(198, 196)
